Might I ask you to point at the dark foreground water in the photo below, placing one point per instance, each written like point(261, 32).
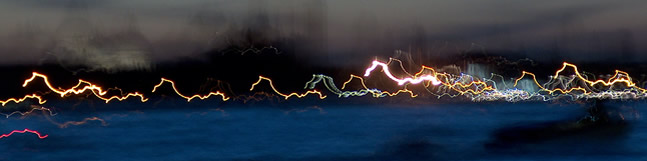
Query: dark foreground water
point(431, 132)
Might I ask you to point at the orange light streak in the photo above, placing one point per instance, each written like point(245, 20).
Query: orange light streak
point(18, 100)
point(374, 92)
point(611, 81)
point(96, 90)
point(76, 123)
point(286, 96)
point(63, 92)
point(136, 94)
point(361, 80)
point(188, 99)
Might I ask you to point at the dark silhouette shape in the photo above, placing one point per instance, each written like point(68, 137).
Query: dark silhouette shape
point(600, 123)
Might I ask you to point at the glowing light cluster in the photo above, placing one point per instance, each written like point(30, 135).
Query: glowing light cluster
point(330, 85)
point(437, 83)
point(619, 77)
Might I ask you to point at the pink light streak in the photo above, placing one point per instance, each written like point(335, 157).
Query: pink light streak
point(24, 131)
point(416, 80)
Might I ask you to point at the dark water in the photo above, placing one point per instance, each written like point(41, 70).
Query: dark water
point(431, 132)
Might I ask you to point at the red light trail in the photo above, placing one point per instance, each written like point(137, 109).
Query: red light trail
point(40, 136)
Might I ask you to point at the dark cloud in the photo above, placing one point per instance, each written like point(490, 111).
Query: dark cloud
point(55, 3)
point(325, 31)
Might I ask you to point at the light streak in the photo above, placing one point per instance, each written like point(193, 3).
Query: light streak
point(576, 86)
point(285, 96)
point(618, 77)
point(221, 111)
point(19, 100)
point(76, 123)
point(34, 107)
point(432, 79)
point(40, 136)
point(523, 74)
point(462, 88)
point(330, 85)
point(414, 80)
point(579, 85)
point(189, 98)
point(136, 94)
point(361, 80)
point(321, 110)
point(257, 96)
point(96, 90)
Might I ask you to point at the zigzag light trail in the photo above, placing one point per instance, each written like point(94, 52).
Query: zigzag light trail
point(433, 79)
point(480, 90)
point(188, 99)
point(96, 90)
point(84, 121)
point(463, 84)
point(611, 81)
point(376, 92)
point(285, 96)
point(330, 85)
point(40, 136)
point(414, 80)
point(576, 86)
point(18, 100)
point(34, 108)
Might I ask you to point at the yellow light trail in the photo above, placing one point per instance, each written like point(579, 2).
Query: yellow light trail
point(611, 81)
point(18, 100)
point(136, 94)
point(63, 92)
point(96, 90)
point(84, 121)
point(189, 98)
point(377, 93)
point(445, 84)
point(361, 80)
point(286, 96)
